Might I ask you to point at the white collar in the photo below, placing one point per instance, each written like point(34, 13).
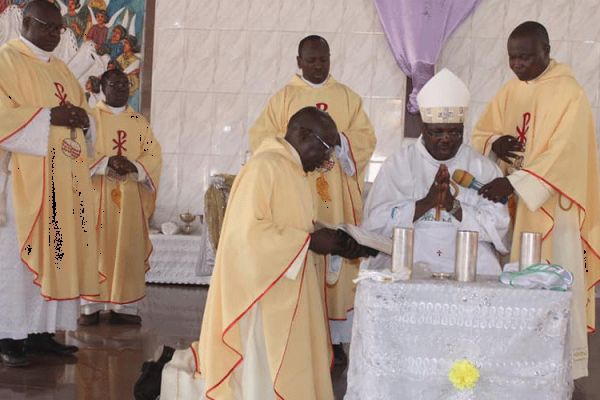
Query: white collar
point(313, 85)
point(41, 55)
point(116, 110)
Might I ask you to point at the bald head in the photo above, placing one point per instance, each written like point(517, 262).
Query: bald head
point(42, 24)
point(528, 50)
point(313, 134)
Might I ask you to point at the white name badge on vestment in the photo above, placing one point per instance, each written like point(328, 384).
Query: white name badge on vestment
point(71, 148)
point(434, 244)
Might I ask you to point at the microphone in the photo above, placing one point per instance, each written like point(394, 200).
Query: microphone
point(466, 180)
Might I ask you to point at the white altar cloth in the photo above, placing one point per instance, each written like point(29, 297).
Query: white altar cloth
point(407, 335)
point(179, 259)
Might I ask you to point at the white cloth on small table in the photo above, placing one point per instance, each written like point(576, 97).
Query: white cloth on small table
point(407, 335)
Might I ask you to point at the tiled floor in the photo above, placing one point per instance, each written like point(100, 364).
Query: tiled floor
point(110, 357)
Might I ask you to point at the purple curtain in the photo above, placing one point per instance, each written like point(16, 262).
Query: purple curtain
point(416, 31)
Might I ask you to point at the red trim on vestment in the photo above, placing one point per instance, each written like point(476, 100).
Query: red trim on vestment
point(287, 342)
point(22, 126)
point(551, 228)
point(351, 202)
point(97, 162)
point(196, 359)
point(235, 365)
point(148, 176)
point(324, 278)
point(594, 251)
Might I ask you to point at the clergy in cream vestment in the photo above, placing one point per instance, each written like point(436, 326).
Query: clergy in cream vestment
point(337, 192)
point(49, 239)
point(546, 113)
point(264, 332)
point(125, 202)
point(408, 176)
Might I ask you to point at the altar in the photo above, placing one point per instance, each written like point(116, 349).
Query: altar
point(407, 336)
point(180, 259)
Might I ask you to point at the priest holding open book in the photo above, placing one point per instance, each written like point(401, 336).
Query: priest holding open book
point(415, 188)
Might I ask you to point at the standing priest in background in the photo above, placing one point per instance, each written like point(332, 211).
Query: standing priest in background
point(337, 191)
point(125, 175)
point(413, 188)
point(48, 244)
point(540, 126)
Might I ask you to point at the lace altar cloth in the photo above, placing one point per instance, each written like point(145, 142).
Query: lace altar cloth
point(179, 259)
point(407, 335)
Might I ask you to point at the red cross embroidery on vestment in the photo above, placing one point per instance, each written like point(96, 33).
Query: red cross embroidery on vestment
point(120, 142)
point(522, 131)
point(60, 93)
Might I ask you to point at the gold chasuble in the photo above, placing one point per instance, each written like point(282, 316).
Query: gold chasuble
point(52, 195)
point(338, 196)
point(551, 115)
point(264, 276)
point(124, 207)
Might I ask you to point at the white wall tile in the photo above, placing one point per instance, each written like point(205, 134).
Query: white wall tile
point(360, 16)
point(294, 16)
point(230, 134)
point(193, 182)
point(555, 16)
point(584, 20)
point(519, 11)
point(357, 59)
point(169, 45)
point(387, 119)
point(232, 59)
point(200, 61)
point(586, 69)
point(388, 79)
point(172, 14)
point(263, 62)
point(263, 15)
point(167, 113)
point(256, 104)
point(232, 14)
point(488, 19)
point(167, 190)
point(198, 123)
point(326, 16)
point(199, 14)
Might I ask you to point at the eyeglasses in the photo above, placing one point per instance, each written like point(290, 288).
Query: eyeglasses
point(328, 149)
point(49, 28)
point(119, 85)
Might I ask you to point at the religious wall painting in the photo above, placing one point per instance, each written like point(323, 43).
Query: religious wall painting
point(100, 35)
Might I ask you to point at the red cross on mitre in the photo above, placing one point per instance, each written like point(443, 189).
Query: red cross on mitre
point(120, 142)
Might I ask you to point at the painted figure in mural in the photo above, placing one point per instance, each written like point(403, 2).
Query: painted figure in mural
point(540, 127)
point(114, 46)
point(48, 246)
point(76, 17)
point(129, 63)
point(337, 191)
point(98, 33)
point(125, 173)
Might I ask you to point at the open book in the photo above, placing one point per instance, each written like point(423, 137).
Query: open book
point(362, 236)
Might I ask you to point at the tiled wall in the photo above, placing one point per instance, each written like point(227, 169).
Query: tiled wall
point(217, 62)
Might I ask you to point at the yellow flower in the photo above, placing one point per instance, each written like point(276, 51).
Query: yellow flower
point(463, 375)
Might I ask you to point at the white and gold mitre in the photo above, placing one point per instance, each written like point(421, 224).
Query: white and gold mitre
point(444, 99)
